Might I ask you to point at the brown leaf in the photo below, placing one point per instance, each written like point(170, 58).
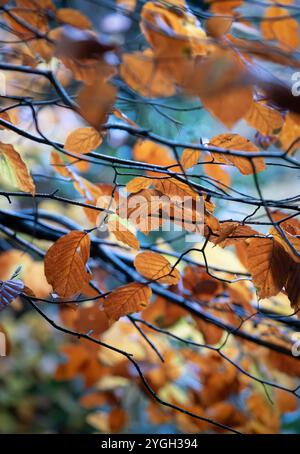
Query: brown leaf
point(238, 143)
point(126, 300)
point(155, 267)
point(123, 234)
point(268, 264)
point(65, 263)
point(95, 102)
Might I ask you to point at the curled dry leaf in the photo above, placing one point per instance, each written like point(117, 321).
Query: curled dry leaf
point(155, 267)
point(65, 263)
point(126, 300)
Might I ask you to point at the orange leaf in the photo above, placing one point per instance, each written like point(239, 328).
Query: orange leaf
point(264, 118)
point(190, 158)
point(126, 300)
point(95, 101)
point(19, 169)
point(285, 30)
point(65, 263)
point(267, 262)
point(122, 234)
point(73, 17)
point(155, 267)
point(137, 184)
point(236, 142)
point(83, 140)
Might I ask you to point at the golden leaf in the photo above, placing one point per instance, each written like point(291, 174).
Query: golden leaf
point(18, 167)
point(137, 184)
point(155, 267)
point(123, 234)
point(268, 264)
point(83, 140)
point(239, 143)
point(126, 300)
point(285, 30)
point(73, 17)
point(142, 73)
point(190, 158)
point(65, 263)
point(263, 118)
point(95, 101)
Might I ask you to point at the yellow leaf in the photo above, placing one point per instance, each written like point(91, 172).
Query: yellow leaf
point(292, 239)
point(65, 263)
point(172, 33)
point(155, 267)
point(19, 169)
point(83, 140)
point(126, 300)
point(216, 172)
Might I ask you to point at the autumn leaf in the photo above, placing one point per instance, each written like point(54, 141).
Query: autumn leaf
point(17, 168)
point(190, 158)
point(216, 171)
point(73, 17)
point(83, 140)
point(290, 133)
point(155, 267)
point(65, 263)
point(230, 233)
point(268, 264)
point(264, 119)
point(137, 184)
point(126, 300)
point(143, 74)
point(285, 29)
point(174, 188)
point(238, 143)
point(123, 234)
point(95, 102)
